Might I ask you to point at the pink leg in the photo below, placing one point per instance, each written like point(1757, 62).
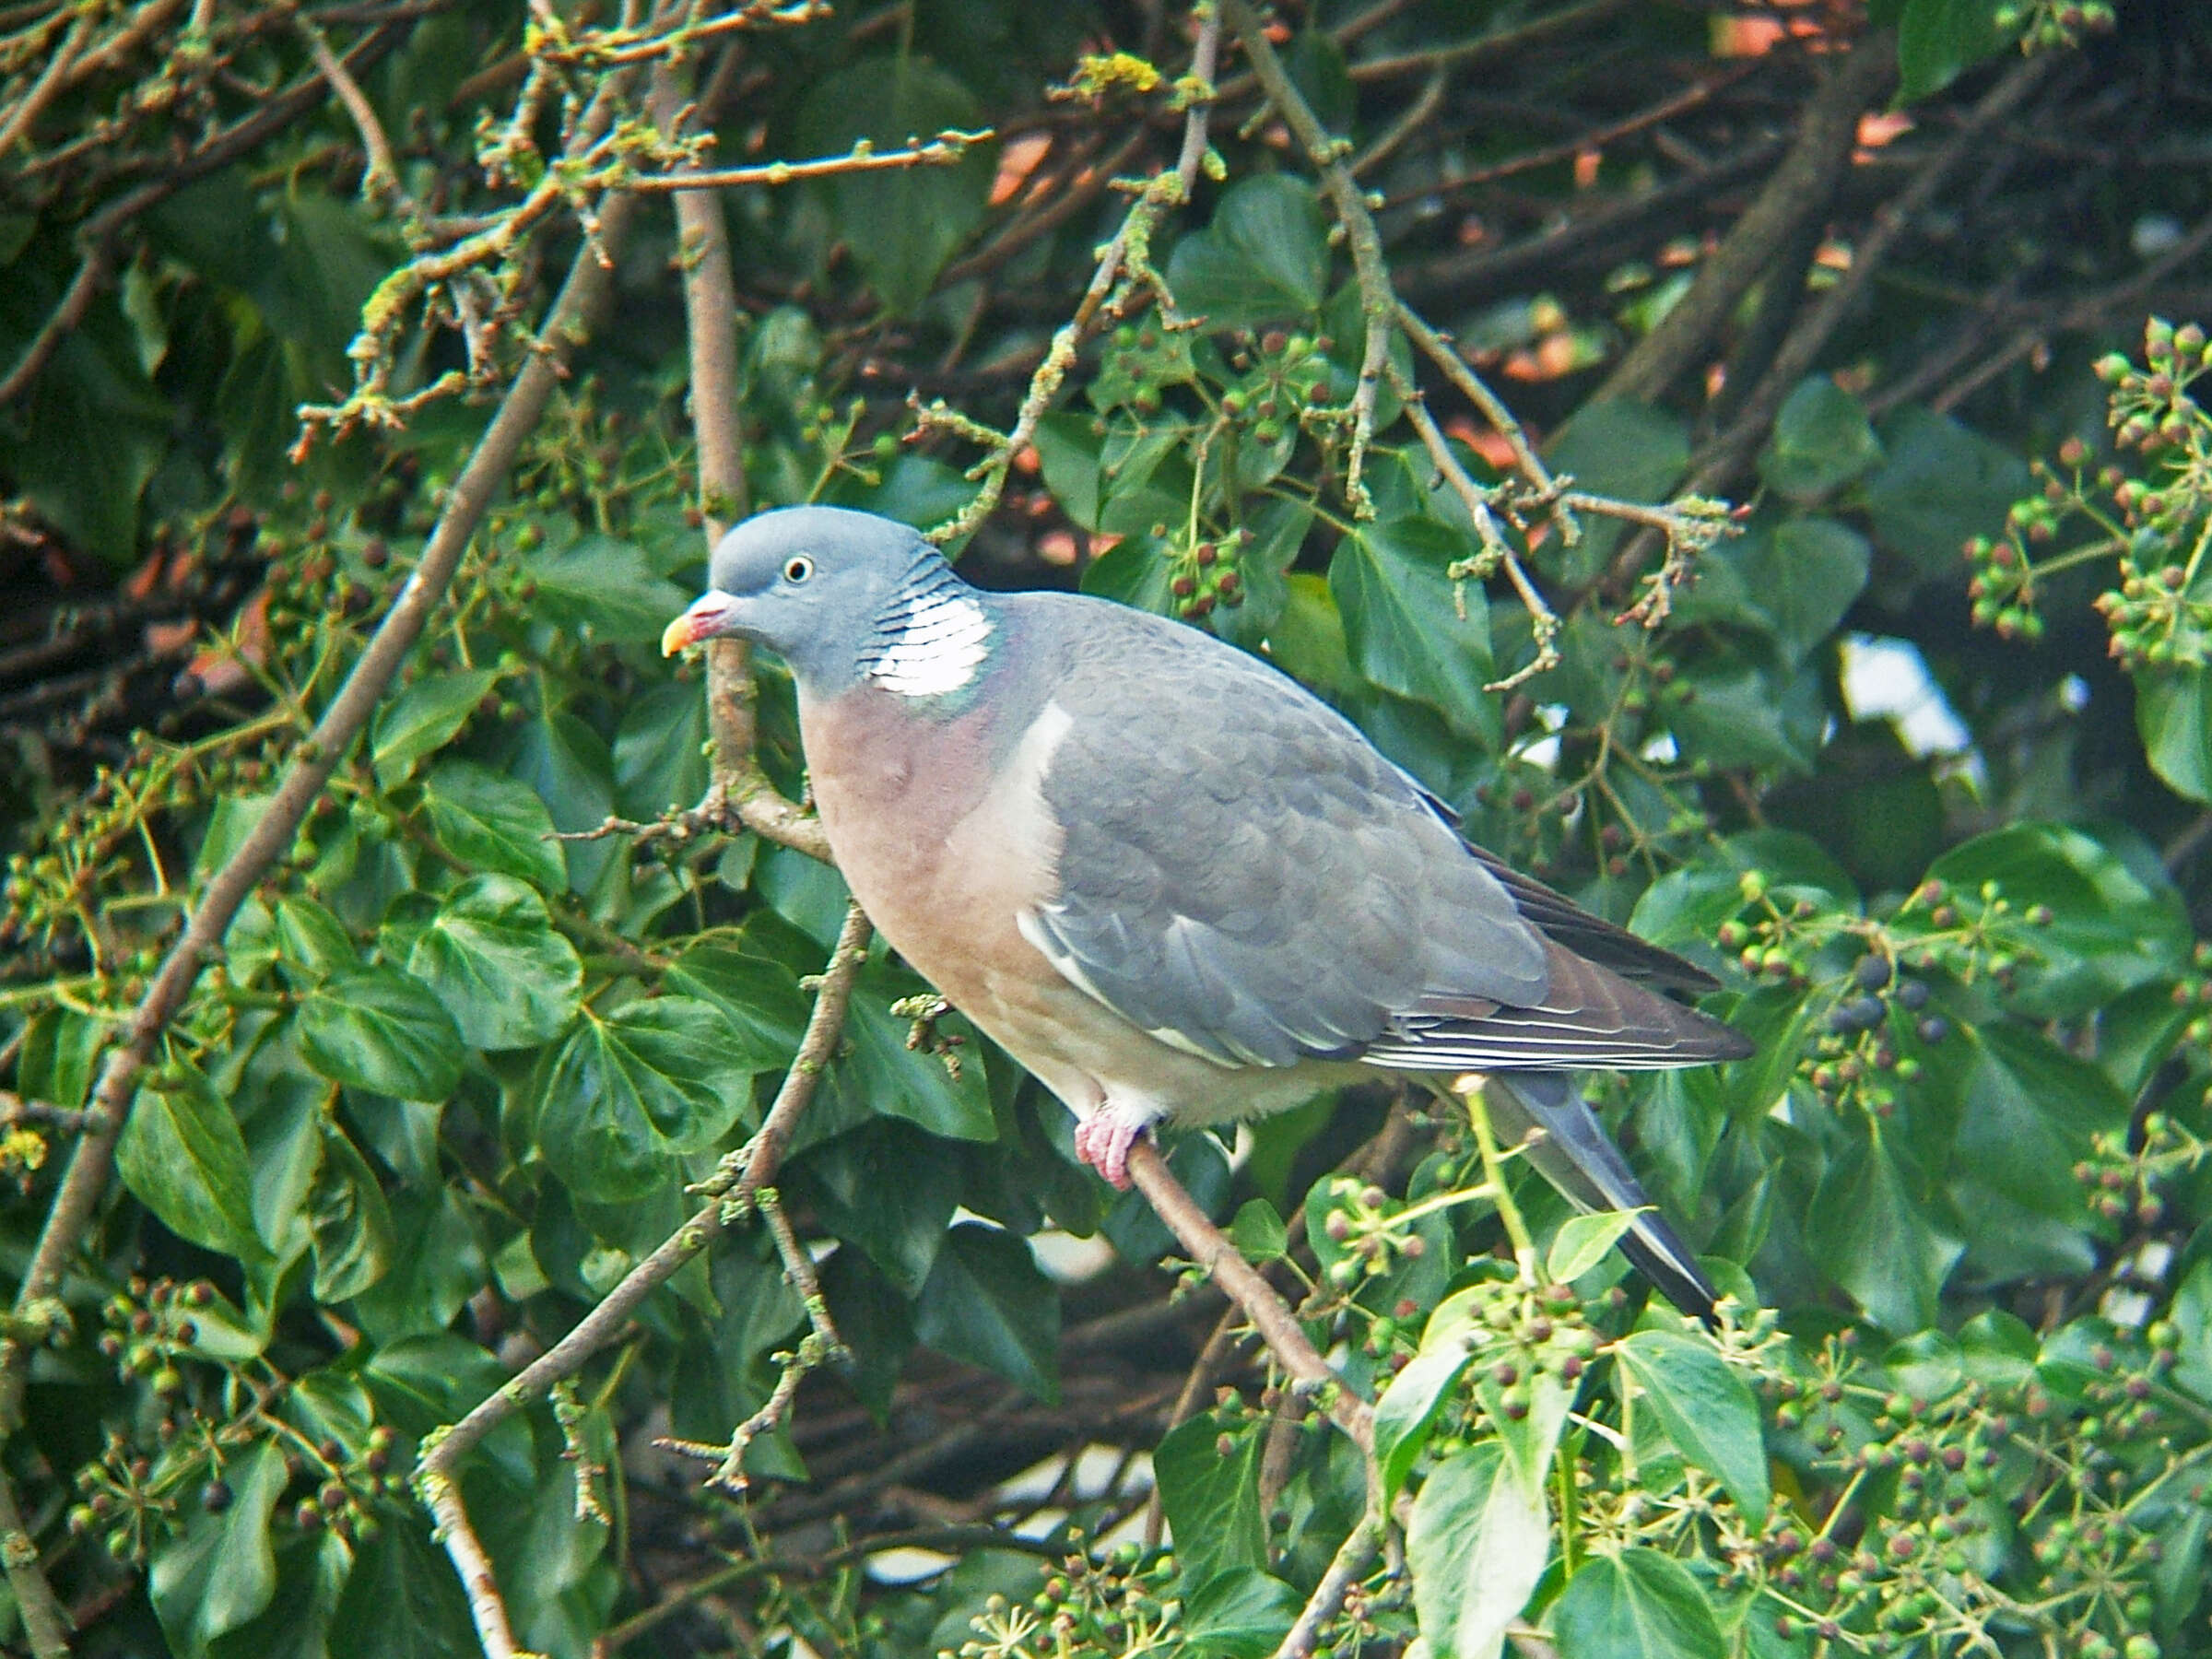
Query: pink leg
point(1103, 1139)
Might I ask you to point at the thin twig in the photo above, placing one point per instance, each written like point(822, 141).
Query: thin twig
point(946, 148)
point(383, 176)
point(1279, 1327)
point(49, 85)
point(729, 1196)
point(1130, 248)
point(1345, 1566)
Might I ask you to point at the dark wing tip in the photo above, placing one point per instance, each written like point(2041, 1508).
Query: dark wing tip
point(1672, 1271)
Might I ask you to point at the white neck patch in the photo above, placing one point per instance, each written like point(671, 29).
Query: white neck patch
point(936, 646)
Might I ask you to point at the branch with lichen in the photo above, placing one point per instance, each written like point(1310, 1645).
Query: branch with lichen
point(731, 1193)
point(1125, 267)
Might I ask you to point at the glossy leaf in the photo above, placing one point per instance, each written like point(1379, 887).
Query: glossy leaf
point(1939, 483)
point(901, 226)
point(423, 719)
point(1822, 440)
point(221, 1570)
point(2174, 716)
point(986, 1304)
point(349, 1220)
point(402, 1600)
point(1402, 618)
point(1262, 259)
point(1706, 1409)
point(604, 590)
point(1581, 1243)
point(1241, 1614)
point(1477, 1545)
point(1938, 40)
point(631, 1091)
point(493, 823)
point(1639, 1602)
point(380, 1031)
point(1212, 1499)
point(181, 1155)
point(492, 957)
point(877, 1072)
point(1408, 1408)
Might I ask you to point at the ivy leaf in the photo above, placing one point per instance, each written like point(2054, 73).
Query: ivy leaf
point(491, 956)
point(879, 1073)
point(761, 997)
point(423, 719)
point(2114, 924)
point(402, 1600)
point(1402, 622)
point(2174, 716)
point(1408, 1408)
point(1938, 40)
point(220, 1571)
point(183, 1157)
point(383, 1031)
point(902, 226)
point(1876, 1233)
point(312, 944)
point(1822, 439)
point(1477, 1545)
point(1264, 258)
point(350, 1221)
point(495, 823)
point(1581, 1243)
point(1804, 577)
point(632, 1092)
point(659, 759)
point(1212, 1499)
point(1706, 1410)
point(1639, 1602)
point(986, 1304)
point(1241, 1614)
point(1941, 483)
point(603, 589)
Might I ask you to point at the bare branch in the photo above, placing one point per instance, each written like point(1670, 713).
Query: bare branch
point(946, 148)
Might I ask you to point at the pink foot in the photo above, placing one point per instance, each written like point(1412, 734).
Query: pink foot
point(1103, 1139)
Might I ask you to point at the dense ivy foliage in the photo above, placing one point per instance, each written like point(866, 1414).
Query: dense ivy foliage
point(475, 1042)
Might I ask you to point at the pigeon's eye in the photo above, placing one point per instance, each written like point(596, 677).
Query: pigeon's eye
point(798, 569)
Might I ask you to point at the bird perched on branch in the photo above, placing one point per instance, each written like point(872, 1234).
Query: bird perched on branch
point(1170, 881)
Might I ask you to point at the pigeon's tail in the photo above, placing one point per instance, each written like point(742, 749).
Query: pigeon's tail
point(1573, 1154)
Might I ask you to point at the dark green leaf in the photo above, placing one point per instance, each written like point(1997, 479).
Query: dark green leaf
point(1258, 1232)
point(761, 997)
point(1477, 1545)
point(404, 1600)
point(2174, 716)
point(351, 1222)
point(383, 1031)
point(60, 1053)
point(1940, 484)
point(183, 1157)
point(312, 944)
point(492, 957)
point(1706, 1409)
point(437, 1263)
point(986, 1304)
point(1264, 258)
point(2111, 928)
point(603, 588)
point(494, 823)
point(1822, 440)
point(1639, 1603)
point(1739, 717)
point(1938, 40)
point(1241, 1614)
point(423, 719)
point(221, 1571)
point(659, 759)
point(1402, 620)
point(1212, 1499)
point(311, 1571)
point(1805, 576)
point(902, 226)
point(632, 1092)
point(877, 1072)
point(890, 1189)
point(1877, 1233)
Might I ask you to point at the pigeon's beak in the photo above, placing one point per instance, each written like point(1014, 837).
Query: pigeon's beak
point(711, 615)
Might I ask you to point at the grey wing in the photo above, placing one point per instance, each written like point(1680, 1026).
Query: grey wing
point(1243, 876)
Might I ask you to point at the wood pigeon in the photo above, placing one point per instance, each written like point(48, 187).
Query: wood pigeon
point(1170, 880)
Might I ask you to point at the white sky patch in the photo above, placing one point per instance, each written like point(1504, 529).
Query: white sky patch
point(1545, 750)
point(1886, 679)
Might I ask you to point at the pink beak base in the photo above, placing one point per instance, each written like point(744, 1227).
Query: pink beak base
point(702, 620)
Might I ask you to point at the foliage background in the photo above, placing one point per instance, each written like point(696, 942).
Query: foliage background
point(447, 1085)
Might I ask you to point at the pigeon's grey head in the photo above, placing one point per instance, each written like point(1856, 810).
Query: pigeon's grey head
point(810, 583)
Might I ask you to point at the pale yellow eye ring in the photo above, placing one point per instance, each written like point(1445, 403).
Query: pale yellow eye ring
point(798, 569)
